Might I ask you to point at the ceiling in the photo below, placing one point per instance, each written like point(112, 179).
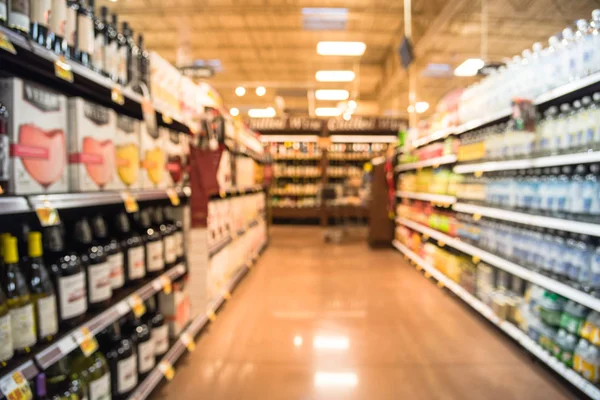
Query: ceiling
point(264, 43)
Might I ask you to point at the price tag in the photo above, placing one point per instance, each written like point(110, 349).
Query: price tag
point(137, 305)
point(173, 196)
point(211, 316)
point(188, 342)
point(476, 217)
point(222, 193)
point(425, 237)
point(47, 214)
point(117, 96)
point(478, 174)
point(441, 243)
point(62, 69)
point(440, 284)
point(427, 274)
point(418, 267)
point(227, 295)
point(156, 285)
point(167, 370)
point(476, 260)
point(167, 119)
point(166, 284)
point(131, 204)
point(15, 387)
point(86, 341)
point(6, 44)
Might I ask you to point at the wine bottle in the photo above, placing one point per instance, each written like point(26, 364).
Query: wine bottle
point(4, 148)
point(144, 62)
point(3, 12)
point(132, 59)
point(167, 233)
point(42, 291)
point(121, 359)
point(6, 350)
point(20, 304)
point(85, 32)
point(112, 248)
point(133, 248)
point(62, 385)
point(69, 278)
point(159, 330)
point(93, 371)
point(18, 16)
point(112, 50)
point(155, 261)
point(100, 59)
point(170, 219)
point(71, 29)
point(96, 264)
point(139, 333)
point(57, 35)
point(40, 14)
point(122, 54)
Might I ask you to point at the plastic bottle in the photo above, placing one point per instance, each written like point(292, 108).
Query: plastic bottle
point(588, 127)
point(568, 350)
point(595, 269)
point(595, 34)
point(573, 317)
point(575, 126)
point(561, 135)
point(576, 199)
point(579, 355)
point(585, 48)
point(556, 54)
point(570, 56)
point(591, 364)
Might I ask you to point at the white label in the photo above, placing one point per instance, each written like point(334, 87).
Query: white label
point(6, 350)
point(146, 356)
point(127, 371)
point(58, 17)
point(85, 34)
point(98, 57)
point(111, 59)
point(99, 282)
point(135, 261)
point(19, 15)
point(40, 11)
point(179, 243)
point(48, 318)
point(71, 26)
point(122, 63)
point(156, 260)
point(117, 276)
point(72, 295)
point(22, 320)
point(160, 337)
point(170, 249)
point(100, 388)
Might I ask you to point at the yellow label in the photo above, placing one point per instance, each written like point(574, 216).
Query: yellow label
point(441, 243)
point(476, 260)
point(167, 119)
point(427, 274)
point(211, 316)
point(587, 330)
point(419, 267)
point(478, 174)
point(6, 44)
point(87, 342)
point(117, 96)
point(577, 362)
point(47, 215)
point(188, 342)
point(476, 217)
point(62, 70)
point(227, 295)
point(440, 284)
point(425, 237)
point(167, 370)
point(15, 387)
point(137, 305)
point(166, 284)
point(222, 193)
point(390, 214)
point(173, 196)
point(131, 204)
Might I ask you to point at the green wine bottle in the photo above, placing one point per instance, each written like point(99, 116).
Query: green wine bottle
point(63, 385)
point(42, 290)
point(6, 350)
point(94, 373)
point(20, 304)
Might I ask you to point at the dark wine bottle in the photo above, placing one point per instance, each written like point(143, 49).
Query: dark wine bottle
point(122, 362)
point(139, 332)
point(62, 385)
point(133, 248)
point(85, 32)
point(18, 15)
point(112, 51)
point(133, 72)
point(4, 149)
point(58, 20)
point(143, 63)
point(40, 14)
point(71, 29)
point(123, 54)
point(177, 225)
point(167, 232)
point(112, 248)
point(96, 264)
point(155, 262)
point(42, 291)
point(100, 59)
point(159, 329)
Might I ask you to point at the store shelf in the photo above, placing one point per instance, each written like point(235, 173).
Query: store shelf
point(295, 212)
point(13, 205)
point(295, 158)
point(584, 228)
point(433, 198)
point(569, 88)
point(146, 387)
point(432, 162)
point(298, 176)
point(508, 266)
point(510, 329)
point(540, 162)
point(237, 191)
point(437, 135)
point(228, 240)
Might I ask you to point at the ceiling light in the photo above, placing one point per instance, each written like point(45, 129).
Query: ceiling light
point(347, 117)
point(336, 379)
point(240, 91)
point(421, 107)
point(335, 76)
point(298, 341)
point(469, 67)
point(327, 112)
point(234, 112)
point(262, 112)
point(332, 94)
point(341, 48)
point(331, 342)
point(260, 91)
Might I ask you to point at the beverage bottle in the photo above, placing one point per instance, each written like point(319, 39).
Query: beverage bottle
point(576, 198)
point(585, 49)
point(561, 135)
point(167, 231)
point(4, 149)
point(99, 58)
point(575, 126)
point(590, 364)
point(586, 251)
point(143, 62)
point(140, 334)
point(579, 355)
point(155, 261)
point(595, 34)
point(121, 358)
point(85, 32)
point(133, 248)
point(570, 55)
point(562, 190)
point(7, 349)
point(112, 49)
point(57, 34)
point(96, 264)
point(133, 56)
point(42, 290)
point(556, 54)
point(568, 350)
point(69, 278)
point(71, 29)
point(112, 248)
point(559, 343)
point(94, 372)
point(61, 384)
point(591, 192)
point(159, 330)
point(587, 123)
point(123, 54)
point(3, 12)
point(39, 16)
point(18, 16)
point(170, 219)
point(560, 256)
point(20, 304)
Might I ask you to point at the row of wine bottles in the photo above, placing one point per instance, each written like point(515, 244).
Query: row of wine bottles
point(128, 350)
point(70, 28)
point(54, 285)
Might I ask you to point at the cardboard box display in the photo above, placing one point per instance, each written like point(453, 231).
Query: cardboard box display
point(127, 145)
point(92, 156)
point(154, 158)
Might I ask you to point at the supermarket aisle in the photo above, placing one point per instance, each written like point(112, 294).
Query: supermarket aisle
point(318, 321)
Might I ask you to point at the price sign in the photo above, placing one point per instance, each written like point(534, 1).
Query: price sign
point(86, 341)
point(440, 284)
point(173, 196)
point(476, 260)
point(167, 370)
point(131, 204)
point(441, 243)
point(222, 193)
point(6, 44)
point(188, 342)
point(167, 119)
point(15, 387)
point(211, 316)
point(227, 295)
point(137, 305)
point(47, 214)
point(117, 96)
point(166, 284)
point(62, 69)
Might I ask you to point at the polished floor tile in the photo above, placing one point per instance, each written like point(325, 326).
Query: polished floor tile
point(318, 321)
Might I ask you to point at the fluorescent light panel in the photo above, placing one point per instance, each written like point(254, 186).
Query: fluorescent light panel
point(322, 18)
point(335, 76)
point(341, 48)
point(332, 94)
point(262, 112)
point(347, 379)
point(327, 112)
point(331, 343)
point(469, 67)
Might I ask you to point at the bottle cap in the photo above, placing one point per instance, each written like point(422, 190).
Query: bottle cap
point(34, 244)
point(3, 238)
point(11, 254)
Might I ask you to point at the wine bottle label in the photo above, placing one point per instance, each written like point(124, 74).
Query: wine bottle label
point(145, 356)
point(170, 249)
point(122, 63)
point(40, 12)
point(160, 337)
point(100, 388)
point(6, 350)
point(127, 374)
point(18, 15)
point(71, 26)
point(72, 295)
point(99, 56)
point(85, 34)
point(156, 261)
point(47, 316)
point(179, 243)
point(22, 320)
point(99, 282)
point(58, 17)
point(111, 59)
point(3, 10)
point(136, 265)
point(117, 275)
